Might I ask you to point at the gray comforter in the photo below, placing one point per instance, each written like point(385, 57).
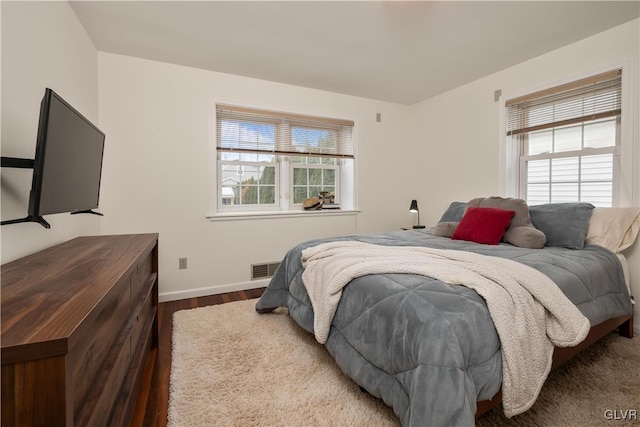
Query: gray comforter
point(428, 349)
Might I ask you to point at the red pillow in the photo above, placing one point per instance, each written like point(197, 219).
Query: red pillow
point(483, 225)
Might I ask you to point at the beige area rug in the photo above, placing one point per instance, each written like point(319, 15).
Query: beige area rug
point(234, 367)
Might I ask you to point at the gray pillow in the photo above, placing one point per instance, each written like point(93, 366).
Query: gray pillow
point(565, 224)
point(445, 229)
point(454, 212)
point(521, 232)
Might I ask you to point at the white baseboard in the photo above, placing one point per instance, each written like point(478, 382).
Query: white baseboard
point(213, 290)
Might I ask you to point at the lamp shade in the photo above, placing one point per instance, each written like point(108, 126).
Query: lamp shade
point(414, 206)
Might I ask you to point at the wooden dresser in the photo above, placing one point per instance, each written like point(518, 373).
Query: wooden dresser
point(78, 322)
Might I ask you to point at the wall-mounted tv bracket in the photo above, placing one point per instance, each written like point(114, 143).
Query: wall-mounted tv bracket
point(14, 162)
point(89, 211)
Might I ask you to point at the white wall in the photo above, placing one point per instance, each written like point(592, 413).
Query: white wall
point(158, 119)
point(43, 45)
point(463, 130)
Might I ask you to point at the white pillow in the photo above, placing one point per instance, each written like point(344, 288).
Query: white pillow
point(613, 228)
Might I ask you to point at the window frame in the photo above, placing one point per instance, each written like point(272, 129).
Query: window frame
point(284, 205)
point(509, 151)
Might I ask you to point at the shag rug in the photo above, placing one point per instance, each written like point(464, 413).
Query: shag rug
point(234, 367)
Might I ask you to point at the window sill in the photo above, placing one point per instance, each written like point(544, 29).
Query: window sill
point(230, 216)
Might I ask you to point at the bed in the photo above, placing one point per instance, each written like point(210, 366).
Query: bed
point(431, 350)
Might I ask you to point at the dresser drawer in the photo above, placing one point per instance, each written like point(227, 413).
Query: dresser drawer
point(89, 357)
point(110, 402)
point(140, 280)
point(143, 320)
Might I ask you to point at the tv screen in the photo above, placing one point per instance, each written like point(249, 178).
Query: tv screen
point(68, 161)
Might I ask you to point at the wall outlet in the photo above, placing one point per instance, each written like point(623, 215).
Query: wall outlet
point(182, 263)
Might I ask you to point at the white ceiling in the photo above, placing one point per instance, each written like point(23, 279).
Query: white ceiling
point(394, 51)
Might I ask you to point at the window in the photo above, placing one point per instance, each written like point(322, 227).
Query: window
point(567, 140)
point(273, 161)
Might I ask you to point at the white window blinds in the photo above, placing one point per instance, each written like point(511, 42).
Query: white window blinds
point(588, 99)
point(248, 130)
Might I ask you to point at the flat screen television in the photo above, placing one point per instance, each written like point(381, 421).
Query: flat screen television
point(68, 162)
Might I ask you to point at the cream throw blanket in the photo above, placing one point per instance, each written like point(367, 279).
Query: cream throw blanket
point(530, 312)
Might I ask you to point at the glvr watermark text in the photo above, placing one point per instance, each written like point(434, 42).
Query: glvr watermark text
point(621, 414)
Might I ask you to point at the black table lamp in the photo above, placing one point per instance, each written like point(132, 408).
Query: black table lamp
point(414, 208)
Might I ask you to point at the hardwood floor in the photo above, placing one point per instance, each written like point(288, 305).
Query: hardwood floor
point(151, 408)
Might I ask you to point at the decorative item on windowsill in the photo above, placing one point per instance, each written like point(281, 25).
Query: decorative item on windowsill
point(327, 196)
point(329, 200)
point(414, 208)
point(312, 204)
